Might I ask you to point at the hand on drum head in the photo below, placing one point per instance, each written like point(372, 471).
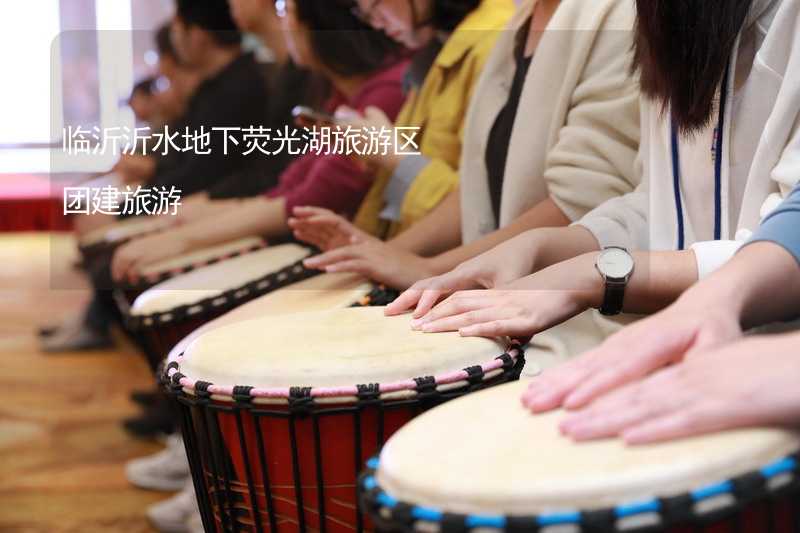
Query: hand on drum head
point(520, 309)
point(375, 260)
point(499, 266)
point(325, 229)
point(746, 383)
point(131, 257)
point(631, 354)
point(516, 313)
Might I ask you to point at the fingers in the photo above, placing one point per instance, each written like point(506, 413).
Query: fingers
point(456, 304)
point(548, 391)
point(423, 294)
point(511, 327)
point(322, 261)
point(469, 317)
point(608, 379)
point(427, 299)
point(308, 211)
point(404, 302)
point(355, 266)
point(628, 356)
point(673, 425)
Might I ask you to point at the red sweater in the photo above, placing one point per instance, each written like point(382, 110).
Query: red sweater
point(336, 182)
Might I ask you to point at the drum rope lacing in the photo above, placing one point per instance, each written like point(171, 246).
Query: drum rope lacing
point(291, 274)
point(155, 278)
point(673, 510)
point(510, 361)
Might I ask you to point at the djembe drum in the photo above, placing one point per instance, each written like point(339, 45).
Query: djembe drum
point(319, 293)
point(485, 463)
point(279, 413)
point(102, 242)
point(161, 271)
point(169, 311)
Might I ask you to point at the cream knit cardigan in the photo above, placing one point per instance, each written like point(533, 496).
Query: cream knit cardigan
point(576, 134)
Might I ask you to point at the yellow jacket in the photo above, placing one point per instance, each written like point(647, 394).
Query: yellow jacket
point(439, 108)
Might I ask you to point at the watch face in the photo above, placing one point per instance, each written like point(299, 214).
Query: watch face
point(615, 263)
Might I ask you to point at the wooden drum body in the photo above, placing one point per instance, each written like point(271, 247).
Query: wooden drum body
point(279, 413)
point(485, 463)
point(169, 311)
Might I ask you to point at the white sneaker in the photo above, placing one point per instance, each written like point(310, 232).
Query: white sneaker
point(172, 515)
point(195, 523)
point(167, 470)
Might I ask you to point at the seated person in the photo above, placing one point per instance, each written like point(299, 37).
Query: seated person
point(229, 94)
point(365, 70)
point(693, 206)
point(690, 368)
point(517, 175)
point(287, 86)
point(171, 90)
point(452, 41)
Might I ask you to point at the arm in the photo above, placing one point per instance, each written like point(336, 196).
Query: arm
point(543, 215)
point(761, 284)
point(440, 229)
point(257, 216)
point(558, 293)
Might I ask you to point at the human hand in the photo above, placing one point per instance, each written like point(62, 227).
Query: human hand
point(325, 229)
point(131, 257)
point(750, 382)
point(670, 336)
point(376, 260)
point(501, 265)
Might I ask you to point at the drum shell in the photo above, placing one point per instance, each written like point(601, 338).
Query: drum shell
point(312, 450)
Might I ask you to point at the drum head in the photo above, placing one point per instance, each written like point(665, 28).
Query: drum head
point(484, 454)
point(320, 293)
point(335, 348)
point(203, 257)
point(214, 280)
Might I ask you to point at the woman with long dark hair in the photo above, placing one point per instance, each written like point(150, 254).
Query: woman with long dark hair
point(720, 146)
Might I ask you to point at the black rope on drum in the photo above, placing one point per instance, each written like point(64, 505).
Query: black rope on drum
point(228, 299)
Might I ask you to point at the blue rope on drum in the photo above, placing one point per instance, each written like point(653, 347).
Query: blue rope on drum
point(429, 514)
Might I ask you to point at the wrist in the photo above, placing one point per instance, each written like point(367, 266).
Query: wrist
point(592, 285)
point(438, 264)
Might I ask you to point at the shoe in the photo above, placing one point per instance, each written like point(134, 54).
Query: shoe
point(71, 323)
point(158, 420)
point(145, 398)
point(172, 515)
point(167, 470)
point(74, 338)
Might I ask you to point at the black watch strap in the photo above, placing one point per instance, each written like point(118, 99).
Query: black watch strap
point(613, 299)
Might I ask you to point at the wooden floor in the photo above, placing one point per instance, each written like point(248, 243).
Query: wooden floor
point(62, 449)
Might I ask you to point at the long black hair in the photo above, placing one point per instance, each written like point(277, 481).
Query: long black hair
point(682, 50)
point(344, 43)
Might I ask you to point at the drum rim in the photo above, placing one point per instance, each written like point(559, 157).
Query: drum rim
point(155, 278)
point(508, 362)
point(245, 292)
point(745, 488)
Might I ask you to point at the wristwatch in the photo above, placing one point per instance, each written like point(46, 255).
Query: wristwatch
point(615, 265)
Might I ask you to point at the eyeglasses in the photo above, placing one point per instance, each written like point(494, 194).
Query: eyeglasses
point(365, 15)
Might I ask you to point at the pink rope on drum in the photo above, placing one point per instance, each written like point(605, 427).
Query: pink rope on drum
point(333, 392)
